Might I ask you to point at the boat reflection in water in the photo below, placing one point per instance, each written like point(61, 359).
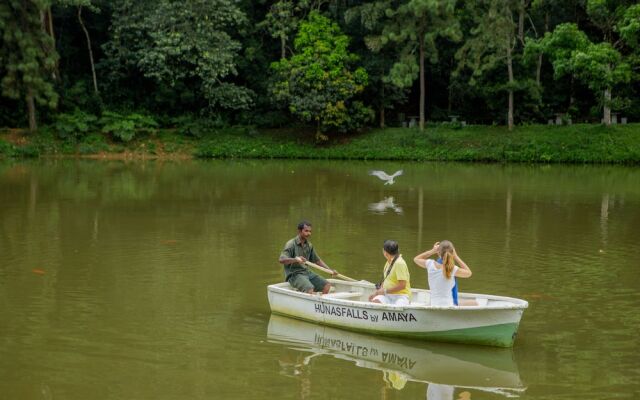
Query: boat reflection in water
point(444, 367)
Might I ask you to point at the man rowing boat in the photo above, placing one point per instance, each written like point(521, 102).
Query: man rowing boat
point(296, 252)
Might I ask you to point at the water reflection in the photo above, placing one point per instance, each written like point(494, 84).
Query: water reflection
point(385, 204)
point(446, 369)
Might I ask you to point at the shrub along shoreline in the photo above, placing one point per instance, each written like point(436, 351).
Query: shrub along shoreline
point(579, 143)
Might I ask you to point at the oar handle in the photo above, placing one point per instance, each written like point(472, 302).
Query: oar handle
point(328, 271)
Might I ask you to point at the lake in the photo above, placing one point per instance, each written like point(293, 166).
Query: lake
point(147, 280)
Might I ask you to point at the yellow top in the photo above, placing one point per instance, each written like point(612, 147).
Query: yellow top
point(399, 272)
point(396, 379)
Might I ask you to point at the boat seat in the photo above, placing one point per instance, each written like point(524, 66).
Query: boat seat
point(343, 295)
point(421, 298)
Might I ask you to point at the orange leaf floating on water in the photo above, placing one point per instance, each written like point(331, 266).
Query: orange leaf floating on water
point(38, 271)
point(540, 296)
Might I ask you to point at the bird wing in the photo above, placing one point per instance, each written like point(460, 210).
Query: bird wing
point(380, 174)
point(397, 173)
point(377, 207)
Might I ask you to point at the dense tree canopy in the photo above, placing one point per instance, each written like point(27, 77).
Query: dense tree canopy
point(317, 83)
point(322, 63)
point(27, 56)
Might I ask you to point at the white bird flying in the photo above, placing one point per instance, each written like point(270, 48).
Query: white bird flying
point(382, 206)
point(387, 178)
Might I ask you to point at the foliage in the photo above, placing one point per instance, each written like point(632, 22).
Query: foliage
point(559, 45)
point(629, 27)
point(529, 144)
point(414, 27)
point(181, 44)
point(79, 95)
point(6, 149)
point(92, 144)
point(317, 83)
point(415, 22)
point(198, 127)
point(73, 126)
point(27, 54)
point(492, 44)
point(282, 20)
point(9, 150)
point(578, 143)
point(598, 65)
point(379, 61)
point(126, 127)
point(211, 58)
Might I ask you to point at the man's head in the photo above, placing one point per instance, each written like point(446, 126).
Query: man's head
point(304, 229)
point(390, 247)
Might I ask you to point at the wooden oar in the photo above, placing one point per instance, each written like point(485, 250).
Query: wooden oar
point(328, 271)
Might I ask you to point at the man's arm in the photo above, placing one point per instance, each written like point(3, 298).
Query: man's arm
point(288, 256)
point(292, 260)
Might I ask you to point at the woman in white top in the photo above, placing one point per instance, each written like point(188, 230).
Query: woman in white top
point(440, 276)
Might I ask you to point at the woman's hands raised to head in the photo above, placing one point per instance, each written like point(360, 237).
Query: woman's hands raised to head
point(421, 258)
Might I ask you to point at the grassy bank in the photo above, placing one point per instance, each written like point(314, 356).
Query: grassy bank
point(579, 143)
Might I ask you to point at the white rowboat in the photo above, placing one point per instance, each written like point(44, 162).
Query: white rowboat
point(494, 322)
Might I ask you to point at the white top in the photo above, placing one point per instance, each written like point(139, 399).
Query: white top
point(440, 286)
point(438, 391)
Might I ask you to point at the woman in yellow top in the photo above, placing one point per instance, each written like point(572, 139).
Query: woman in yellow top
point(395, 287)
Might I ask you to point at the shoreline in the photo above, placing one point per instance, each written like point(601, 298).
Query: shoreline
point(569, 144)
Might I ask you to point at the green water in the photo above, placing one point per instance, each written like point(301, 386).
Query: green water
point(148, 280)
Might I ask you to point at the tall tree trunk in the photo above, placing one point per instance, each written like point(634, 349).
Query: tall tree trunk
point(48, 27)
point(521, 15)
point(539, 66)
point(450, 96)
point(382, 103)
point(31, 107)
point(86, 34)
point(422, 84)
point(450, 91)
point(283, 46)
point(45, 21)
point(510, 72)
point(572, 99)
point(539, 69)
point(607, 106)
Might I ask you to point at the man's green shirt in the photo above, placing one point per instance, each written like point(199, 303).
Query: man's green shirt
point(293, 249)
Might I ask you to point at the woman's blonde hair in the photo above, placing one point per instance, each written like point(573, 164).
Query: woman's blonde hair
point(445, 251)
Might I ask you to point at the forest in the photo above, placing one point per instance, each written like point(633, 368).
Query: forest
point(332, 66)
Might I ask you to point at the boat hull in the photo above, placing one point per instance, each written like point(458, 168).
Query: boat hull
point(495, 325)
